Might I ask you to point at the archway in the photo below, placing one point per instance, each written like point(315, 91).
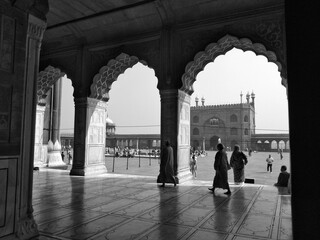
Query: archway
point(240, 124)
point(129, 87)
point(222, 46)
point(47, 134)
point(214, 140)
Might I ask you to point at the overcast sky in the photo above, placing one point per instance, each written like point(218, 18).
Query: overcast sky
point(134, 103)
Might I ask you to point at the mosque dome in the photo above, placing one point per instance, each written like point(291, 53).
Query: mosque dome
point(109, 122)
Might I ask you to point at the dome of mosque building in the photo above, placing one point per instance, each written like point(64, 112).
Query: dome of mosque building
point(109, 122)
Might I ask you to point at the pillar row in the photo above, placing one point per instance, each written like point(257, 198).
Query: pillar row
point(89, 137)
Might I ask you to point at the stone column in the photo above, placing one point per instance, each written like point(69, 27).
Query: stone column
point(39, 156)
point(175, 127)
point(89, 137)
point(183, 148)
point(26, 228)
point(54, 147)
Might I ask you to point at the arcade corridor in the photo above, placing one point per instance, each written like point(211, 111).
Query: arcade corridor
point(120, 206)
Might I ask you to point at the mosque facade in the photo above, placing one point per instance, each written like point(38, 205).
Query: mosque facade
point(229, 124)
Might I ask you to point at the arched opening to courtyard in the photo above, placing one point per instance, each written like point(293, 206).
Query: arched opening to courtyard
point(134, 109)
point(246, 91)
point(54, 119)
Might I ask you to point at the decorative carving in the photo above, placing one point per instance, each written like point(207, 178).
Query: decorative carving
point(103, 80)
point(36, 28)
point(221, 47)
point(271, 32)
point(46, 79)
point(7, 39)
point(27, 228)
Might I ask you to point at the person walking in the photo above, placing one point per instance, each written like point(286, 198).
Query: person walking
point(269, 161)
point(221, 166)
point(237, 161)
point(166, 165)
point(281, 155)
point(193, 165)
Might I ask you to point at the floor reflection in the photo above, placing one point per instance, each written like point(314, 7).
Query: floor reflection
point(119, 206)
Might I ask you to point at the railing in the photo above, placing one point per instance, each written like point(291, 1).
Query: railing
point(121, 159)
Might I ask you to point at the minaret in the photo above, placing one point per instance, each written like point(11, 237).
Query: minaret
point(197, 101)
point(202, 100)
point(241, 97)
point(252, 97)
point(248, 97)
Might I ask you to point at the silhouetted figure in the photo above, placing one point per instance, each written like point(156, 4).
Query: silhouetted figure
point(221, 166)
point(283, 178)
point(166, 165)
point(62, 155)
point(237, 161)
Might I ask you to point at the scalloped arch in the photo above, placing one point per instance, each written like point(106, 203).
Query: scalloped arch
point(46, 79)
point(221, 47)
point(109, 73)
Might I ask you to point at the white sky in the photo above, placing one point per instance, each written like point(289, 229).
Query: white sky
point(134, 103)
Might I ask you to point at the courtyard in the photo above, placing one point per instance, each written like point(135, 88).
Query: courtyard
point(129, 204)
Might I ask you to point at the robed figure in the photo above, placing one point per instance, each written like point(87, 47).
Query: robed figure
point(237, 161)
point(221, 166)
point(166, 165)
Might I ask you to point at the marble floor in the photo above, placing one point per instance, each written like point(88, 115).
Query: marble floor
point(122, 206)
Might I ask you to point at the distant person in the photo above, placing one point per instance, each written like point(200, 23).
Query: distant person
point(250, 152)
point(269, 161)
point(237, 161)
point(283, 178)
point(62, 155)
point(281, 155)
point(193, 165)
point(69, 156)
point(166, 165)
point(221, 166)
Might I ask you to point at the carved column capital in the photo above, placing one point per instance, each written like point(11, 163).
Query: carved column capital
point(36, 28)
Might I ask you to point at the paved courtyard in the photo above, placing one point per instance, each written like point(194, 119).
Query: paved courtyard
point(129, 206)
point(256, 167)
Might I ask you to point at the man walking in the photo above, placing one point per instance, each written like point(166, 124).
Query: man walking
point(269, 161)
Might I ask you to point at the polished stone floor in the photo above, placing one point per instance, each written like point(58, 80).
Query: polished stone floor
point(122, 206)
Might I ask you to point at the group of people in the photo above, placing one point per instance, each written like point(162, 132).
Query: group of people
point(69, 156)
point(237, 162)
point(221, 165)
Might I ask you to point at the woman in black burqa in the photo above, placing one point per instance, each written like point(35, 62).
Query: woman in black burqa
point(166, 165)
point(221, 165)
point(237, 161)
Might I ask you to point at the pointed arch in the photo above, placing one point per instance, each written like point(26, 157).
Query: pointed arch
point(109, 73)
point(46, 79)
point(221, 47)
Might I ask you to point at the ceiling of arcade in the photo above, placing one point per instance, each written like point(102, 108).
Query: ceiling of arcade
point(89, 22)
point(109, 28)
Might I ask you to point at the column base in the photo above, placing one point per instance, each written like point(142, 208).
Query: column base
point(55, 160)
point(27, 229)
point(184, 175)
point(89, 170)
